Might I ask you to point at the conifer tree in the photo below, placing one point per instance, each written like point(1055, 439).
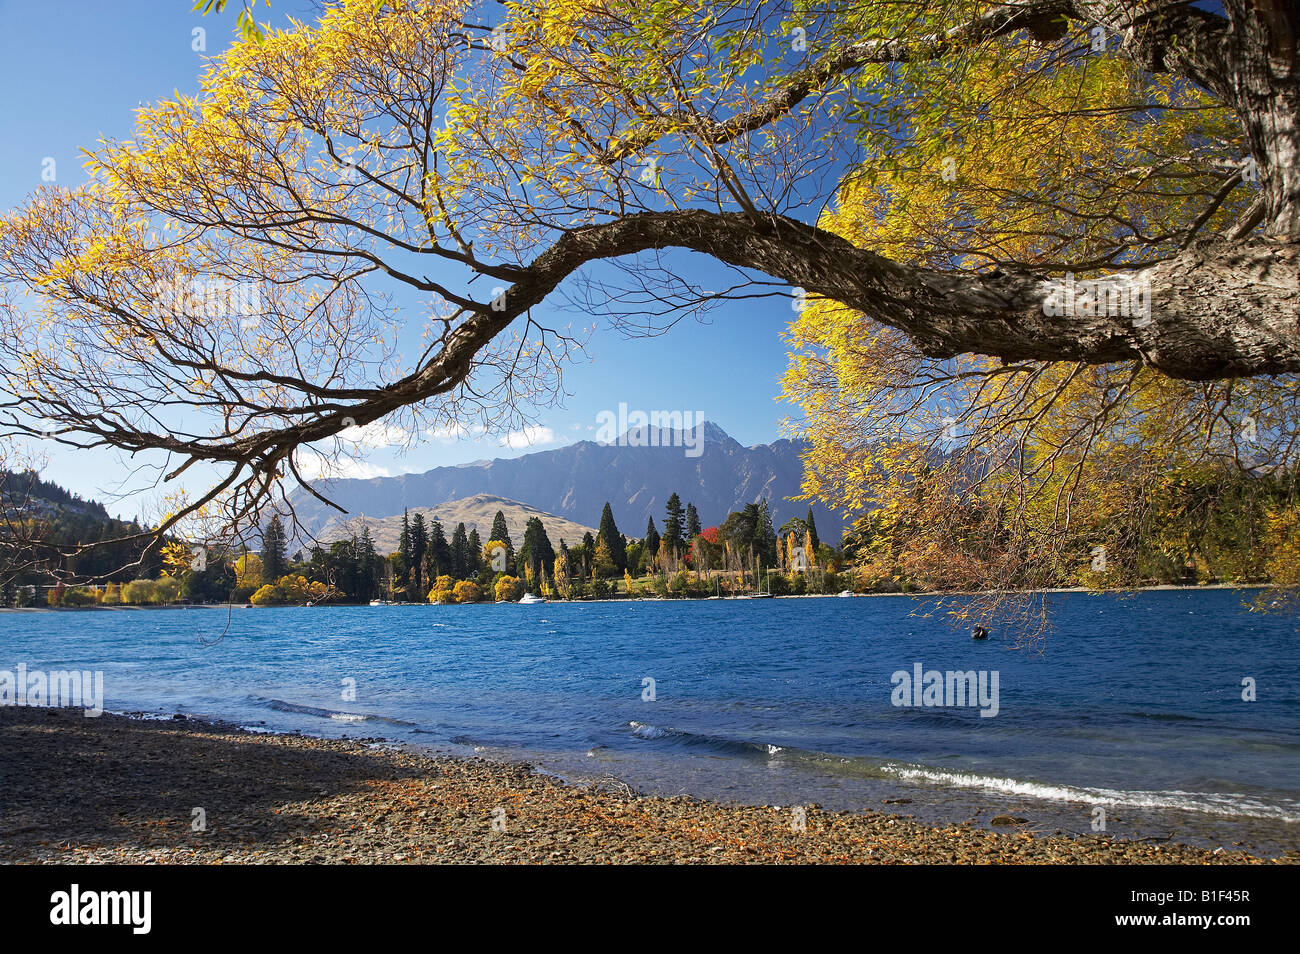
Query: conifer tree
point(462, 561)
point(404, 556)
point(274, 564)
point(536, 553)
point(651, 541)
point(501, 532)
point(693, 527)
point(613, 539)
point(674, 525)
point(438, 558)
point(419, 544)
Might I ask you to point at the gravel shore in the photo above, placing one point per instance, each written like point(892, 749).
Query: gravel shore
point(121, 790)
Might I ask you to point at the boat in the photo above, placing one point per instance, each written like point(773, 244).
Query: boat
point(377, 603)
point(532, 598)
point(845, 594)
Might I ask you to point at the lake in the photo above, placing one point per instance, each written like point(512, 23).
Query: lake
point(1134, 707)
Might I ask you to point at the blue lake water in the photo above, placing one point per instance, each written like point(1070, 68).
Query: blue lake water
point(1133, 706)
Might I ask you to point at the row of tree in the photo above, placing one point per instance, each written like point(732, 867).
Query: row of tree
point(1211, 528)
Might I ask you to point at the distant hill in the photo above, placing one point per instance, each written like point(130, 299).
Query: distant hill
point(475, 512)
point(37, 515)
point(26, 494)
point(574, 482)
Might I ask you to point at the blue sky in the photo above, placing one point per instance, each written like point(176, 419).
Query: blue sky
point(74, 70)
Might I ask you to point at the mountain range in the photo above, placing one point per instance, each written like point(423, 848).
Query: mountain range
point(637, 474)
point(477, 513)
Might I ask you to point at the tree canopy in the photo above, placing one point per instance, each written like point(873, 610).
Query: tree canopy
point(1061, 234)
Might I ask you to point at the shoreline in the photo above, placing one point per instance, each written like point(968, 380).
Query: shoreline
point(916, 594)
point(119, 789)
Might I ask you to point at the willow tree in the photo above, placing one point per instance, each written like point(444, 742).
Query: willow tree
point(970, 158)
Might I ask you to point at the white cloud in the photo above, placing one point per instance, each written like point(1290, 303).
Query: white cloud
point(455, 432)
point(377, 434)
point(531, 436)
point(314, 466)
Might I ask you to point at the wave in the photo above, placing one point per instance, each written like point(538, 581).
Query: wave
point(648, 732)
point(1164, 717)
point(1210, 803)
point(338, 715)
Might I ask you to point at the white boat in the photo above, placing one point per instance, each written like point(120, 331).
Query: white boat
point(376, 602)
point(845, 594)
point(532, 598)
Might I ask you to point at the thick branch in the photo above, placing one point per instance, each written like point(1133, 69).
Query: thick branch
point(1215, 311)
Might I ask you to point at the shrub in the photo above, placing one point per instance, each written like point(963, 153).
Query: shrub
point(139, 592)
point(442, 591)
point(467, 591)
point(777, 584)
point(167, 589)
point(296, 588)
point(267, 595)
point(508, 589)
point(79, 596)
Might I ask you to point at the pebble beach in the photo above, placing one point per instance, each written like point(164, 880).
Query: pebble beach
point(115, 789)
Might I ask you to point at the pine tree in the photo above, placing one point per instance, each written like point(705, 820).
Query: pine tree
point(651, 541)
point(536, 554)
point(674, 528)
point(612, 538)
point(460, 555)
point(367, 579)
point(274, 564)
point(502, 533)
point(693, 527)
point(419, 544)
point(404, 556)
point(474, 553)
point(439, 556)
point(812, 529)
point(765, 542)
